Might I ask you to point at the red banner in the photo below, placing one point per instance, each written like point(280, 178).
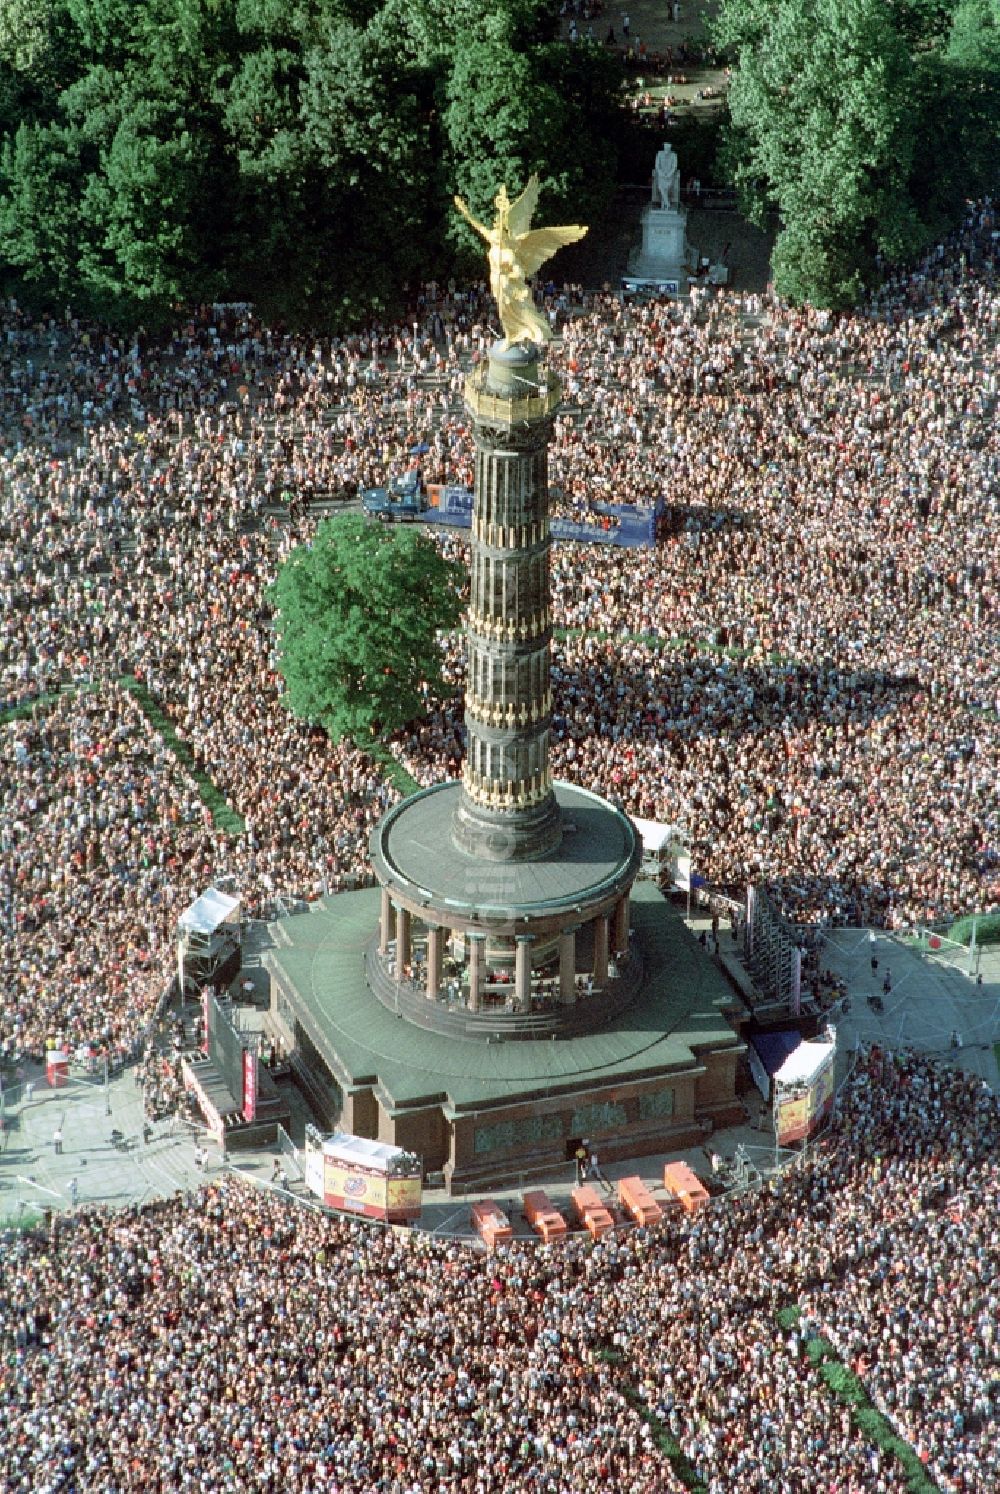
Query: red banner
point(249, 1084)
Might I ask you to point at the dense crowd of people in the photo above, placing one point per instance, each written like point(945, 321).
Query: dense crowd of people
point(802, 672)
point(233, 1340)
point(828, 572)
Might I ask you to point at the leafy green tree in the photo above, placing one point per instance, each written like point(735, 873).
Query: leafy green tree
point(974, 36)
point(366, 126)
point(298, 153)
point(821, 132)
point(358, 616)
point(279, 255)
point(548, 109)
point(139, 210)
point(25, 34)
point(148, 194)
point(40, 221)
point(865, 124)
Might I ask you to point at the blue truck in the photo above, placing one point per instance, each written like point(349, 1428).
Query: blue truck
point(403, 501)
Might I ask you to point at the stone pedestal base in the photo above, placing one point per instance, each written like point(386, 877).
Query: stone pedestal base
point(527, 835)
point(665, 253)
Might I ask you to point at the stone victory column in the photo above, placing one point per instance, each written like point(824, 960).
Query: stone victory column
point(505, 898)
point(509, 810)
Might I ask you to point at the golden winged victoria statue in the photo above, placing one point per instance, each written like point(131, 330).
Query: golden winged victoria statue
point(516, 251)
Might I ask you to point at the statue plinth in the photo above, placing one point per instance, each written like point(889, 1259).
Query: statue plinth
point(665, 253)
point(512, 368)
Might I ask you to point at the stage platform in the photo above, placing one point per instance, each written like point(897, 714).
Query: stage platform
point(223, 1112)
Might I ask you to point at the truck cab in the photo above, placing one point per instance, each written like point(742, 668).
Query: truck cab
point(404, 500)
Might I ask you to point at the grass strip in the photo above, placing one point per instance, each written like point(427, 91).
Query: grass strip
point(662, 1435)
point(393, 769)
point(224, 817)
point(987, 929)
point(959, 932)
point(27, 708)
point(849, 1389)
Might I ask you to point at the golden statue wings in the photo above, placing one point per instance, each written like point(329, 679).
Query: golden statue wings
point(516, 251)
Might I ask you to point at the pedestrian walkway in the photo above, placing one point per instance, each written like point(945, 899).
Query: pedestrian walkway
point(950, 1010)
point(103, 1151)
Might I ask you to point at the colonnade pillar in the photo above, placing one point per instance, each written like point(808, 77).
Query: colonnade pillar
point(522, 973)
point(434, 947)
point(619, 937)
point(402, 942)
point(567, 967)
point(600, 952)
point(476, 944)
point(386, 927)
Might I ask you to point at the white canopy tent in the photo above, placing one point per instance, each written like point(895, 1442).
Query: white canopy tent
point(209, 912)
point(358, 1151)
point(208, 937)
point(664, 852)
point(803, 1064)
point(804, 1089)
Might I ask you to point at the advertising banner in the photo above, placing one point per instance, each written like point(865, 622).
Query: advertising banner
point(822, 1095)
point(249, 1085)
point(404, 1195)
point(799, 1111)
point(347, 1187)
point(791, 1117)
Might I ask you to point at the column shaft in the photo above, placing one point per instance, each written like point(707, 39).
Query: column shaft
point(522, 973)
point(567, 967)
point(385, 928)
point(619, 938)
point(600, 952)
point(434, 942)
point(402, 941)
point(475, 944)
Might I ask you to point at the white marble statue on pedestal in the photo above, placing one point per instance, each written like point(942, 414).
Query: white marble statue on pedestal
point(666, 178)
point(664, 258)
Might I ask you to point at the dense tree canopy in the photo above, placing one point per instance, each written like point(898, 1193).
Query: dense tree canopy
point(863, 123)
point(358, 616)
point(302, 155)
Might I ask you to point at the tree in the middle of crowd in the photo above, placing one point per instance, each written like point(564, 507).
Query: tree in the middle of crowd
point(360, 612)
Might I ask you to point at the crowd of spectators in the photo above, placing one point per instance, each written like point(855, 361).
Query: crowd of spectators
point(232, 1339)
point(102, 840)
point(802, 673)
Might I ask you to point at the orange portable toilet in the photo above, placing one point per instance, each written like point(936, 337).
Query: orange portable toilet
point(590, 1211)
point(636, 1199)
point(57, 1068)
point(545, 1220)
point(684, 1185)
point(491, 1223)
